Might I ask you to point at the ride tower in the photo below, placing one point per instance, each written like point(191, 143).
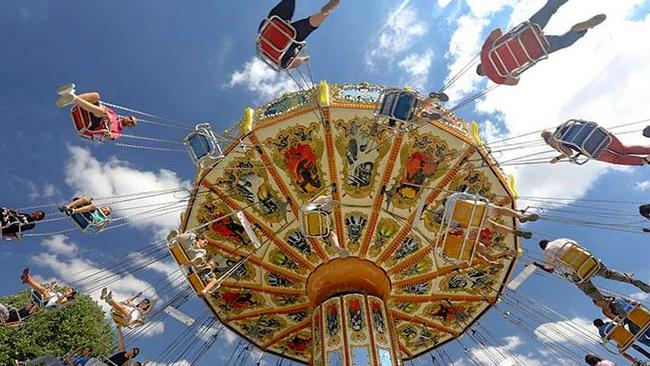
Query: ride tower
point(325, 222)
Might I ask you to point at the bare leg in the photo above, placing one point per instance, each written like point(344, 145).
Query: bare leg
point(84, 209)
point(89, 101)
point(119, 307)
point(499, 228)
point(34, 284)
point(505, 211)
point(80, 202)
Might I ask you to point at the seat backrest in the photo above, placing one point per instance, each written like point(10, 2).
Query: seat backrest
point(580, 261)
point(81, 121)
point(196, 282)
point(457, 248)
point(469, 213)
point(641, 317)
point(622, 337)
point(519, 49)
point(275, 38)
point(179, 254)
point(119, 319)
point(597, 142)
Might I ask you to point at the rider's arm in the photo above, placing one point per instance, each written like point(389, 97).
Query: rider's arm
point(543, 267)
point(134, 297)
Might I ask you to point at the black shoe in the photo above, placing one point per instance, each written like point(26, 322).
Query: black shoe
point(646, 131)
point(646, 229)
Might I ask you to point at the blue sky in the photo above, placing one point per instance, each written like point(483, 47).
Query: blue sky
point(196, 63)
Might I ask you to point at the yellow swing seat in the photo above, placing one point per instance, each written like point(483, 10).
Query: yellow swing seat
point(583, 265)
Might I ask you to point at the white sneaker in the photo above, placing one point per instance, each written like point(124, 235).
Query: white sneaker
point(66, 89)
point(65, 100)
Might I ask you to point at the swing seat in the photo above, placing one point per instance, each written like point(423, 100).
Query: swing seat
point(202, 144)
point(11, 236)
point(125, 322)
point(456, 248)
point(316, 217)
point(518, 50)
point(196, 282)
point(274, 40)
point(82, 122)
point(85, 222)
point(464, 217)
point(469, 213)
point(179, 254)
point(399, 106)
point(586, 138)
point(622, 337)
point(581, 263)
point(640, 316)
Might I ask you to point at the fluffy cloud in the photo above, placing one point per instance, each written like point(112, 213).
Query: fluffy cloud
point(417, 67)
point(91, 177)
point(400, 32)
point(643, 186)
point(260, 79)
point(564, 86)
point(486, 355)
point(576, 330)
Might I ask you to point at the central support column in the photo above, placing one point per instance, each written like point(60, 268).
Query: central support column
point(350, 321)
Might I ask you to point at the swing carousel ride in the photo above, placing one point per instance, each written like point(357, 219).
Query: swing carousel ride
point(316, 161)
point(326, 226)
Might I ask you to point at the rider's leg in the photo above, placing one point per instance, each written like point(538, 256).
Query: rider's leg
point(544, 14)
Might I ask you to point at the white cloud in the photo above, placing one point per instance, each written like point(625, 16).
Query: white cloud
point(94, 178)
point(58, 244)
point(155, 328)
point(417, 66)
point(443, 3)
point(230, 336)
point(643, 186)
point(400, 32)
point(259, 78)
point(178, 363)
point(577, 330)
point(564, 86)
point(486, 355)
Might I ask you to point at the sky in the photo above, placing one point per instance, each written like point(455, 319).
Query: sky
point(196, 63)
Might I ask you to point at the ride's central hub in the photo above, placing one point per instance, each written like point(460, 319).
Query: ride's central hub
point(354, 329)
point(350, 324)
point(347, 275)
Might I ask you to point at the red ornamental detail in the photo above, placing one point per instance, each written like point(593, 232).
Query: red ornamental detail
point(228, 228)
point(332, 319)
point(419, 167)
point(378, 317)
point(298, 344)
point(301, 162)
point(356, 316)
point(238, 300)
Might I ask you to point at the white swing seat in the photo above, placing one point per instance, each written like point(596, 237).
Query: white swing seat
point(581, 264)
point(11, 220)
point(316, 217)
point(464, 217)
point(586, 138)
point(398, 108)
point(518, 50)
point(125, 321)
point(85, 223)
point(202, 144)
point(274, 40)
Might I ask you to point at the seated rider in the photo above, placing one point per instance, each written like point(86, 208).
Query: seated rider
point(493, 213)
point(606, 327)
point(431, 106)
point(612, 311)
point(13, 222)
point(81, 205)
point(51, 298)
point(614, 153)
point(105, 123)
point(134, 314)
point(285, 10)
point(193, 244)
point(556, 43)
point(556, 249)
point(79, 357)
